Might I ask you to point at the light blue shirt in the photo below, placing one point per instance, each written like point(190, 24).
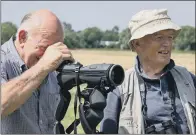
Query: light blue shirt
point(37, 114)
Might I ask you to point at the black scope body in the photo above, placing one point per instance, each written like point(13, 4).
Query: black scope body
point(100, 79)
point(111, 75)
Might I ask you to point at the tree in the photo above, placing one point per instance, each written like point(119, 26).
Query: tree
point(115, 29)
point(8, 29)
point(67, 26)
point(110, 35)
point(186, 39)
point(124, 37)
point(72, 39)
point(90, 37)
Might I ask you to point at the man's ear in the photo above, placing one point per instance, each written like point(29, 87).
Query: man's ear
point(22, 37)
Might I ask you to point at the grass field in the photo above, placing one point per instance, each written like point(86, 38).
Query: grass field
point(126, 59)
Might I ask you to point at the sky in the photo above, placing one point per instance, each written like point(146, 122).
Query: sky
point(102, 14)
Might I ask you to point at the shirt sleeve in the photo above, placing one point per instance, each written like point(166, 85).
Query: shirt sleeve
point(109, 124)
point(194, 79)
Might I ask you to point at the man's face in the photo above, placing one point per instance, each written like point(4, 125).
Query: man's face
point(156, 48)
point(36, 44)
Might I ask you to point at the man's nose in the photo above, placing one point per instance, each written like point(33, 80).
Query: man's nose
point(167, 42)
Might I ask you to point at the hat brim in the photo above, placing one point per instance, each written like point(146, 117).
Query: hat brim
point(153, 27)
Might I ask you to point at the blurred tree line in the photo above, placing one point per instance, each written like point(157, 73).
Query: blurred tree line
point(96, 38)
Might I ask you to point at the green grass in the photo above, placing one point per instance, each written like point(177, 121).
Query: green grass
point(69, 117)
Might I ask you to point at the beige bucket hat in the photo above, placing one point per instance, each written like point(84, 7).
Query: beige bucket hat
point(148, 22)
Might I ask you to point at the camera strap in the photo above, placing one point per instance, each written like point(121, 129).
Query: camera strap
point(77, 96)
point(144, 105)
point(172, 95)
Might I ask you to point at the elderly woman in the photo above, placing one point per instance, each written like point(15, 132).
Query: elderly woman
point(156, 97)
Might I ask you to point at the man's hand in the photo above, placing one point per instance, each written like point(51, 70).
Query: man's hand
point(54, 56)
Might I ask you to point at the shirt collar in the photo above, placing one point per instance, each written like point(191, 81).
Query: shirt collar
point(13, 50)
point(139, 69)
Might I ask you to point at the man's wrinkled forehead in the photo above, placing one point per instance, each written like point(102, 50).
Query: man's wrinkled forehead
point(149, 37)
point(48, 26)
point(47, 34)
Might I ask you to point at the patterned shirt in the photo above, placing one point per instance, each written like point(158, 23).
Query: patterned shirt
point(37, 114)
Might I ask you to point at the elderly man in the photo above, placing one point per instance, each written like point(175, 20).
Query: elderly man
point(156, 97)
point(30, 93)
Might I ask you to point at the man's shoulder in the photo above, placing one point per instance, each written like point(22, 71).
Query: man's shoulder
point(129, 71)
point(4, 61)
point(185, 73)
point(182, 70)
point(180, 67)
point(5, 50)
